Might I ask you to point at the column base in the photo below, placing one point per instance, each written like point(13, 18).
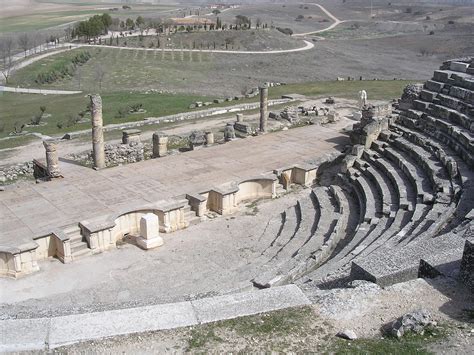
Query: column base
point(149, 243)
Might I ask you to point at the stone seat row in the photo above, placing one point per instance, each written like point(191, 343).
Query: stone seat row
point(312, 241)
point(461, 174)
point(398, 183)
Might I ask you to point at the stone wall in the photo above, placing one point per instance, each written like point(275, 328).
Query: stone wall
point(9, 174)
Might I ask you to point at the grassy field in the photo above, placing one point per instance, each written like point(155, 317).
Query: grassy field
point(125, 69)
point(136, 70)
point(41, 20)
point(17, 109)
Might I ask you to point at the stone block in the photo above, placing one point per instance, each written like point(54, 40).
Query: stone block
point(357, 115)
point(131, 136)
point(433, 86)
point(459, 66)
point(149, 232)
point(467, 265)
point(357, 150)
point(441, 76)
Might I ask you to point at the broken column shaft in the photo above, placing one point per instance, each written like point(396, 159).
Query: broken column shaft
point(98, 150)
point(160, 145)
point(52, 161)
point(263, 108)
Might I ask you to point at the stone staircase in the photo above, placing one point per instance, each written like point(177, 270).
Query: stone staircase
point(79, 247)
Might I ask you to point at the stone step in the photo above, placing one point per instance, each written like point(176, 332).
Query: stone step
point(81, 254)
point(76, 247)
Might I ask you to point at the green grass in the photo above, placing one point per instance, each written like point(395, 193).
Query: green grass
point(21, 107)
point(376, 89)
point(42, 20)
point(125, 69)
point(409, 344)
point(131, 69)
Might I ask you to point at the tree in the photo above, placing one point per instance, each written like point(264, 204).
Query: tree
point(24, 42)
point(6, 54)
point(106, 21)
point(258, 23)
point(139, 21)
point(129, 24)
point(216, 12)
point(99, 75)
point(68, 32)
point(242, 21)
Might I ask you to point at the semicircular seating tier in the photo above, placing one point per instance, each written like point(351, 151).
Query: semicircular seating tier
point(401, 203)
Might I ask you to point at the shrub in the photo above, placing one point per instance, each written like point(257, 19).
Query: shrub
point(286, 31)
point(136, 107)
point(59, 125)
point(121, 113)
point(450, 22)
point(2, 127)
point(408, 10)
point(63, 69)
point(431, 33)
point(428, 17)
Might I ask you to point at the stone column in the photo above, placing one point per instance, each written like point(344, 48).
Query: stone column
point(209, 138)
point(160, 145)
point(240, 117)
point(98, 150)
point(263, 108)
point(52, 161)
point(149, 232)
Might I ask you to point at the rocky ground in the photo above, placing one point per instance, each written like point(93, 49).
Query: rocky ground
point(360, 311)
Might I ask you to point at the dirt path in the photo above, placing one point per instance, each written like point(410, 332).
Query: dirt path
point(330, 27)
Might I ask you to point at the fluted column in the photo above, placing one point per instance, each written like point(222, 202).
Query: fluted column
point(97, 132)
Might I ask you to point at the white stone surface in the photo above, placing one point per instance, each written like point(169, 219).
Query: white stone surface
point(80, 327)
point(149, 226)
point(23, 334)
point(41, 333)
point(247, 303)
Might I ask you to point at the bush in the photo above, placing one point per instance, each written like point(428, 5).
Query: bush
point(59, 125)
point(431, 33)
point(450, 22)
point(408, 10)
point(63, 69)
point(286, 31)
point(121, 113)
point(136, 107)
point(428, 17)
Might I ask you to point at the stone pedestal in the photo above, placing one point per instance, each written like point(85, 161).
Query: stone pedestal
point(240, 117)
point(160, 145)
point(229, 132)
point(333, 116)
point(209, 138)
point(149, 232)
point(263, 108)
point(52, 162)
point(97, 132)
point(197, 139)
point(131, 136)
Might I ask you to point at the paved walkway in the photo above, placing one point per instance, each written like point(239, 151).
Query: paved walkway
point(50, 333)
point(38, 91)
point(36, 209)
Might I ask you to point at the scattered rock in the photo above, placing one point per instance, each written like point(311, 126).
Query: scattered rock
point(347, 334)
point(415, 321)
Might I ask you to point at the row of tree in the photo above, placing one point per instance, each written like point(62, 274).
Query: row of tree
point(95, 26)
point(11, 46)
